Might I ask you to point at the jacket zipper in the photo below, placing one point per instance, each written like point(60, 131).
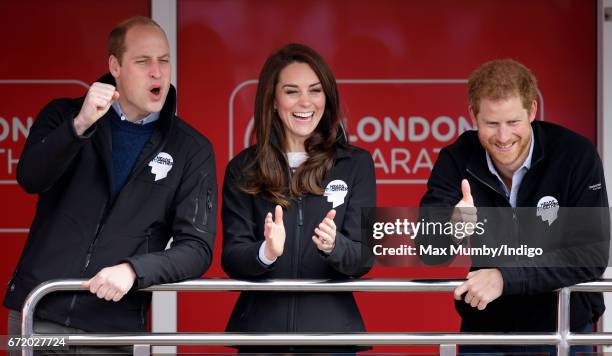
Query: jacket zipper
point(517, 230)
point(485, 183)
point(208, 204)
point(207, 207)
point(514, 216)
point(296, 249)
point(99, 227)
point(102, 220)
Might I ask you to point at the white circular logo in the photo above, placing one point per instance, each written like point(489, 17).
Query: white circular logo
point(547, 209)
point(335, 192)
point(161, 165)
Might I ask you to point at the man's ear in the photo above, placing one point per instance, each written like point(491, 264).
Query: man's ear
point(114, 66)
point(472, 116)
point(533, 111)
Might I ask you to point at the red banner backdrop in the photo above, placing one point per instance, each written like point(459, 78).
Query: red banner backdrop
point(401, 68)
point(51, 49)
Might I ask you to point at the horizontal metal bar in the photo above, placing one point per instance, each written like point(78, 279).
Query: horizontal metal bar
point(311, 285)
point(289, 285)
point(600, 338)
point(595, 286)
point(361, 285)
point(224, 339)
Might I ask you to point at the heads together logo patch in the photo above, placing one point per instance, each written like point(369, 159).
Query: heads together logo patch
point(336, 191)
point(161, 165)
point(547, 209)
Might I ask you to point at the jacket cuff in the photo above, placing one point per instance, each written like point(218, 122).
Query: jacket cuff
point(339, 245)
point(261, 257)
point(87, 134)
point(513, 280)
point(139, 281)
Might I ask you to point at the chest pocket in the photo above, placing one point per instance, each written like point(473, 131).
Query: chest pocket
point(204, 202)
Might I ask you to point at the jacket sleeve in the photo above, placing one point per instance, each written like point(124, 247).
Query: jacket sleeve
point(588, 233)
point(352, 254)
point(194, 218)
point(51, 146)
point(239, 257)
point(443, 193)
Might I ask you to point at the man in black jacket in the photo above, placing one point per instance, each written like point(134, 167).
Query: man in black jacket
point(118, 174)
point(539, 185)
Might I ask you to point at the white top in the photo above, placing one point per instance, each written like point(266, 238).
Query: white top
point(296, 158)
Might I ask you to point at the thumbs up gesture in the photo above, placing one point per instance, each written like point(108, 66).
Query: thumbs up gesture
point(274, 232)
point(465, 211)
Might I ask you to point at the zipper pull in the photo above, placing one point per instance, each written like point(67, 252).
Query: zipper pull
point(300, 213)
point(209, 200)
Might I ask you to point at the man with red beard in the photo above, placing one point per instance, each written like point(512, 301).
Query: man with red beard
point(117, 175)
point(531, 172)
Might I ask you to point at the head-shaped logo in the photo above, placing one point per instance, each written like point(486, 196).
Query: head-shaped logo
point(161, 165)
point(547, 209)
point(335, 192)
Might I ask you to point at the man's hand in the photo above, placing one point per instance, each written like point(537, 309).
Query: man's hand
point(98, 100)
point(465, 211)
point(325, 233)
point(274, 232)
point(482, 286)
point(112, 283)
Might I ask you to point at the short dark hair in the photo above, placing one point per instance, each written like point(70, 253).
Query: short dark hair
point(116, 38)
point(501, 79)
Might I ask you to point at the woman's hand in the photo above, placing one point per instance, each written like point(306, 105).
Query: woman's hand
point(325, 234)
point(274, 232)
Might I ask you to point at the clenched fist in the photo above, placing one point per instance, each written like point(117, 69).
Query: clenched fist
point(98, 100)
point(112, 283)
point(481, 288)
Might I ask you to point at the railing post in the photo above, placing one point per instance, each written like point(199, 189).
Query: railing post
point(448, 350)
point(563, 321)
point(142, 350)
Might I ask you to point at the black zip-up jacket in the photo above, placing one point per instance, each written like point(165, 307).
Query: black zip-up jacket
point(243, 226)
point(565, 166)
point(77, 231)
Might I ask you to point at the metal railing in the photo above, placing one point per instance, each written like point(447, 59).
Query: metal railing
point(142, 342)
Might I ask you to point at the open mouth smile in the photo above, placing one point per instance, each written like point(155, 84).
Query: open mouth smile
point(505, 147)
point(305, 116)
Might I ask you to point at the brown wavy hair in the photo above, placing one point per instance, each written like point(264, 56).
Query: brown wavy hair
point(501, 79)
point(268, 173)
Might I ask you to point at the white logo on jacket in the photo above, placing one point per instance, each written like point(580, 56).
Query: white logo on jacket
point(548, 208)
point(161, 165)
point(335, 192)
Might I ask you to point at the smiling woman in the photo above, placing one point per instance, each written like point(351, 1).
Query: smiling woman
point(299, 101)
point(292, 203)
